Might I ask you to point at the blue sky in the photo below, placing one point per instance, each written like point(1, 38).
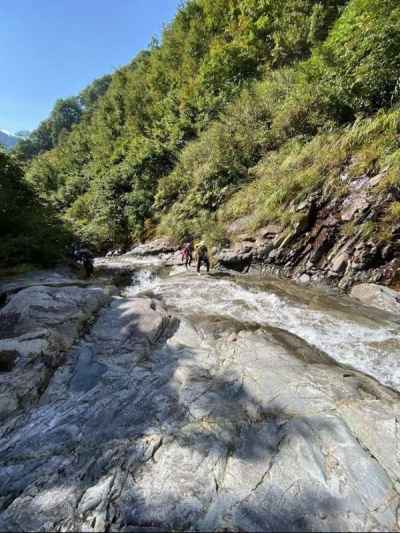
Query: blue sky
point(52, 49)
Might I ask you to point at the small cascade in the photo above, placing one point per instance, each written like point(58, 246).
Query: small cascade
point(368, 342)
point(142, 280)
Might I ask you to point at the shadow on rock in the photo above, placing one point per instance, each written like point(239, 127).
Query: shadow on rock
point(152, 424)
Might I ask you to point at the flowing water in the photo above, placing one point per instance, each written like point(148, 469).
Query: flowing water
point(362, 337)
point(213, 402)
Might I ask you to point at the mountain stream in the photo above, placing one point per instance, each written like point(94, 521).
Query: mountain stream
point(213, 402)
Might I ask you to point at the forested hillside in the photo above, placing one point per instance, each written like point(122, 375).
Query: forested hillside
point(243, 106)
point(30, 230)
point(143, 393)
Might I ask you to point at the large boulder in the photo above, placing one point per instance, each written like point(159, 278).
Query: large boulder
point(59, 310)
point(63, 278)
point(156, 247)
point(377, 296)
point(236, 259)
point(37, 326)
point(239, 225)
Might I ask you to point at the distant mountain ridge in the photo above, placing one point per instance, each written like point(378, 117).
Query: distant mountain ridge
point(9, 140)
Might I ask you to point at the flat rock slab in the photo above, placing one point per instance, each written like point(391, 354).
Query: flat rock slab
point(40, 278)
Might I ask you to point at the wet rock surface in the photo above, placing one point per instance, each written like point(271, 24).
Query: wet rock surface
point(378, 296)
point(209, 403)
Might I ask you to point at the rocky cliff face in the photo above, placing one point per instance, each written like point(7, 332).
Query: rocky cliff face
point(318, 248)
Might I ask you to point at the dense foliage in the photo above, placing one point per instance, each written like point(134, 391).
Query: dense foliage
point(30, 231)
point(165, 142)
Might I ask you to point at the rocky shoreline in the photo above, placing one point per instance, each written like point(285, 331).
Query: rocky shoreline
point(333, 242)
point(317, 249)
point(261, 255)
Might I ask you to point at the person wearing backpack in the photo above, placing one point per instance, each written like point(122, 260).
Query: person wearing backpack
point(85, 258)
point(202, 256)
point(187, 254)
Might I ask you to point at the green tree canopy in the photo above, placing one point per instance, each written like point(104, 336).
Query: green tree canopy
point(30, 230)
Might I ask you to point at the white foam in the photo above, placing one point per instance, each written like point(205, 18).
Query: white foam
point(369, 345)
point(141, 281)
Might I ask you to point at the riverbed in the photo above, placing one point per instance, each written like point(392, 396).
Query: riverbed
point(211, 402)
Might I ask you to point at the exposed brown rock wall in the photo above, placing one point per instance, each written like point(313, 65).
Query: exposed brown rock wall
point(318, 248)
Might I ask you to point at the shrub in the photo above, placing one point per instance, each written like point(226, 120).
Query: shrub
point(362, 55)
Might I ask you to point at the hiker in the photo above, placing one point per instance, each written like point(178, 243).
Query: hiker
point(85, 257)
point(202, 256)
point(187, 254)
point(248, 263)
